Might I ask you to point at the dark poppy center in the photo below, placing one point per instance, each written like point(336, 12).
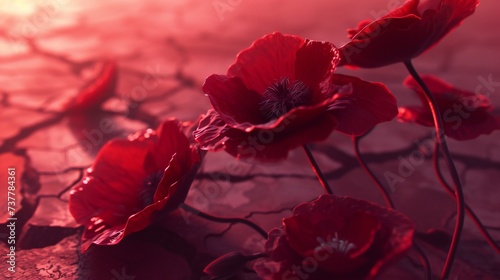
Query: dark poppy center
point(149, 187)
point(282, 96)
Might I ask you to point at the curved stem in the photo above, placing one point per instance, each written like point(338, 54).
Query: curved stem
point(475, 219)
point(206, 216)
point(317, 170)
point(388, 201)
point(375, 180)
point(441, 139)
point(424, 260)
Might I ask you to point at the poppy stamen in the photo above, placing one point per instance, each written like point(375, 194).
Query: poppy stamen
point(281, 97)
point(339, 245)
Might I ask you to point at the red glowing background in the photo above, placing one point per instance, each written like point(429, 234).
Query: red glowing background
point(52, 50)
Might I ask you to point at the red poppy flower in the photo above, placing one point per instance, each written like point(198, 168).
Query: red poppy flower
point(281, 93)
point(131, 181)
point(466, 115)
point(404, 33)
point(98, 90)
point(335, 237)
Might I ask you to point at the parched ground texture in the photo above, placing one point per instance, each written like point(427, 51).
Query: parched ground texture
point(51, 49)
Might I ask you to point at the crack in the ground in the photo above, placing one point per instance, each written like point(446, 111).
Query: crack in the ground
point(10, 143)
point(249, 215)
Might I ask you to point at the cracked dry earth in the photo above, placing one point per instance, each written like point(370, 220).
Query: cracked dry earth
point(49, 51)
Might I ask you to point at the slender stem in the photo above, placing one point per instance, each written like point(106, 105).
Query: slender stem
point(388, 201)
point(224, 220)
point(441, 139)
point(424, 260)
point(475, 219)
point(317, 170)
point(369, 172)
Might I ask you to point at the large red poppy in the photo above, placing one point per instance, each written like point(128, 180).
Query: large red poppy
point(335, 237)
point(281, 93)
point(466, 115)
point(132, 181)
point(405, 32)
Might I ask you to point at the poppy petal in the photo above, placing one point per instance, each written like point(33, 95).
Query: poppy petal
point(373, 45)
point(266, 143)
point(172, 141)
point(232, 100)
point(366, 105)
point(315, 62)
point(345, 238)
point(110, 200)
point(212, 132)
point(268, 60)
point(109, 187)
point(466, 115)
point(404, 33)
